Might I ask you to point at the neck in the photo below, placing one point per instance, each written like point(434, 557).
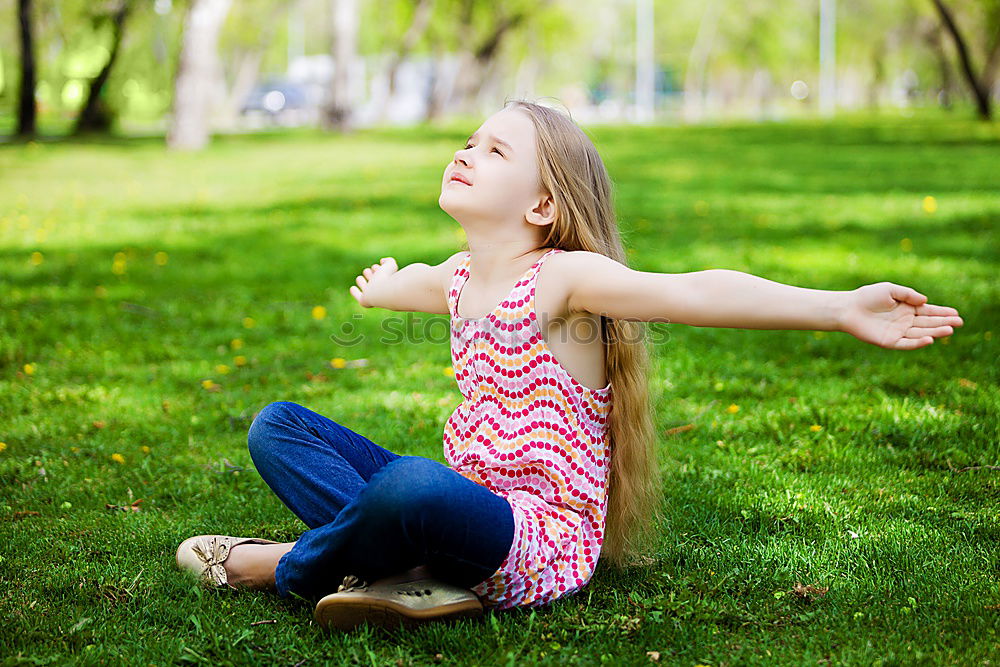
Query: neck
point(495, 261)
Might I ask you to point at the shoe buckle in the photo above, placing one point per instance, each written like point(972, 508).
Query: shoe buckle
point(351, 583)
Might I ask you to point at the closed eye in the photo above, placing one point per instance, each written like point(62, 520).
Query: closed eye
point(494, 148)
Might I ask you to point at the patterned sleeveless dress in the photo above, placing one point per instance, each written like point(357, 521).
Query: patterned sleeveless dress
point(531, 433)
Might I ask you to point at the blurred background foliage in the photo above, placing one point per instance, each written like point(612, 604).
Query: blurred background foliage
point(421, 61)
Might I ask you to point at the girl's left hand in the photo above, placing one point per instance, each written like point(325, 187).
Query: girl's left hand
point(896, 317)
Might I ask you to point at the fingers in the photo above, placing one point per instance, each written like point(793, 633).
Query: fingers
point(906, 294)
point(385, 261)
point(935, 332)
point(937, 320)
point(930, 309)
point(912, 343)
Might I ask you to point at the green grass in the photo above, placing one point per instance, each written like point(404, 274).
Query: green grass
point(889, 504)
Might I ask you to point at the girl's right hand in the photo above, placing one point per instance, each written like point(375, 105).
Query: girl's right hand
point(371, 279)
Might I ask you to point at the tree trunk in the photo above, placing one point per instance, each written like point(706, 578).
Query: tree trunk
point(340, 104)
point(197, 75)
point(26, 111)
point(95, 117)
point(979, 92)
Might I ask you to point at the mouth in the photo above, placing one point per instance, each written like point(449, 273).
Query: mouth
point(458, 178)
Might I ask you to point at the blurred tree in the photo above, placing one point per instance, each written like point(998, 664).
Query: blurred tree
point(478, 31)
point(340, 103)
point(96, 116)
point(197, 71)
point(250, 30)
point(419, 21)
point(26, 111)
point(934, 37)
point(980, 85)
point(695, 81)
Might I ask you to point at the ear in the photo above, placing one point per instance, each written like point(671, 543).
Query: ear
point(543, 212)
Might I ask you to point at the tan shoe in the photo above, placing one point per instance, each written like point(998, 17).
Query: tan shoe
point(392, 605)
point(204, 555)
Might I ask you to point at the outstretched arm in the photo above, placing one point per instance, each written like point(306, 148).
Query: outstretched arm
point(884, 314)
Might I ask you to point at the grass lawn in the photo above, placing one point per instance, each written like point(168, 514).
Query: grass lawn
point(844, 511)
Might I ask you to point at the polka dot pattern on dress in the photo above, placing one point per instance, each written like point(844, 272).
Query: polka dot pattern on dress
point(530, 432)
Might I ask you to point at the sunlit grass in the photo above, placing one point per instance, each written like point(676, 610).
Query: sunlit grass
point(153, 302)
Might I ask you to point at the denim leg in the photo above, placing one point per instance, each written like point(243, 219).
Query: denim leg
point(314, 465)
point(413, 511)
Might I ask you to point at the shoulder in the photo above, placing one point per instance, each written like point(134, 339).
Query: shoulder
point(558, 276)
point(449, 265)
point(571, 265)
point(579, 258)
point(573, 271)
point(446, 269)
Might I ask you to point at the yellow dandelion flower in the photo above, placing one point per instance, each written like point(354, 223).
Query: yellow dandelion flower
point(733, 409)
point(74, 449)
point(337, 362)
point(930, 204)
point(449, 371)
point(29, 369)
point(118, 267)
point(236, 344)
point(318, 312)
point(240, 360)
point(207, 384)
point(221, 369)
point(249, 322)
point(117, 458)
point(146, 449)
point(815, 427)
point(3, 446)
point(37, 258)
point(119, 256)
point(160, 258)
point(906, 245)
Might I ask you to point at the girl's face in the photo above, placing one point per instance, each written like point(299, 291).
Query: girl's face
point(499, 168)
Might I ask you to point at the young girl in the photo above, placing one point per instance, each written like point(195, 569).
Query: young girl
point(550, 456)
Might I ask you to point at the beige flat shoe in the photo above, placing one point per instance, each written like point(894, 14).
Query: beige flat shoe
point(204, 555)
point(393, 605)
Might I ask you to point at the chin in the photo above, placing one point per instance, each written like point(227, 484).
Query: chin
point(449, 206)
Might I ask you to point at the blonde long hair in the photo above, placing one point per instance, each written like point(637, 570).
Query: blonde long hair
point(572, 172)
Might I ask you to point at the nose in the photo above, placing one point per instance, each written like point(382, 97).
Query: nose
point(460, 157)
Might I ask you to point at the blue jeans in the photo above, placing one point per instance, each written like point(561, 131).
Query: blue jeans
point(372, 513)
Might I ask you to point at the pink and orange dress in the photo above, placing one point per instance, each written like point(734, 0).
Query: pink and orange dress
point(531, 433)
